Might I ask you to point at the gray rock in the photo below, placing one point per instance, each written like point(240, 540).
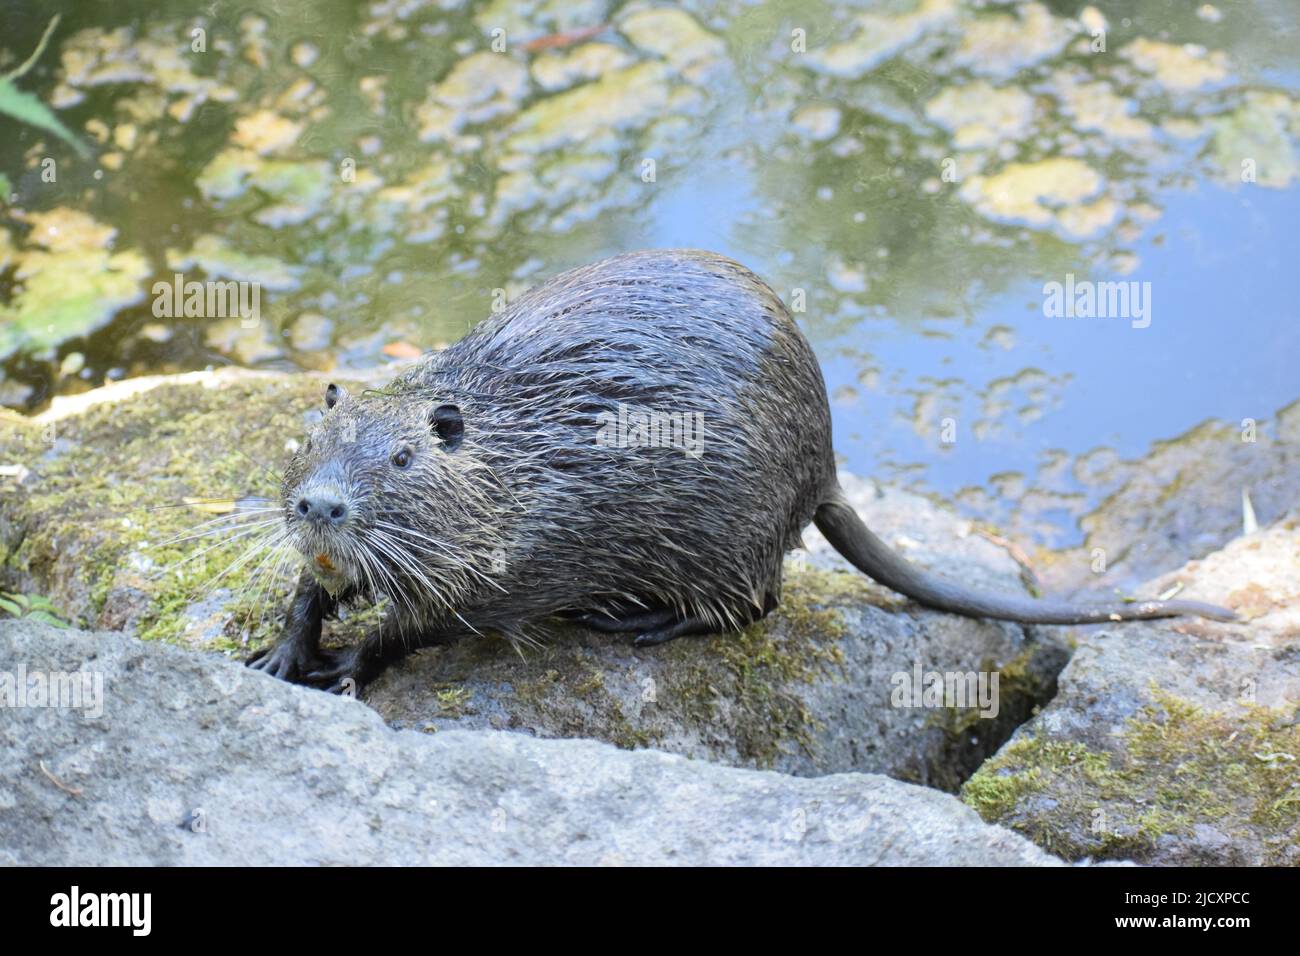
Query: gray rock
point(196, 760)
point(1173, 742)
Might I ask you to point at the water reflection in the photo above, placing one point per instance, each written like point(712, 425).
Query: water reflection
point(912, 172)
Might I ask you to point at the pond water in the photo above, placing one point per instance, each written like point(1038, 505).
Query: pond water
point(910, 176)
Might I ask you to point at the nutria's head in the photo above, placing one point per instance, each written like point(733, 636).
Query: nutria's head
point(373, 495)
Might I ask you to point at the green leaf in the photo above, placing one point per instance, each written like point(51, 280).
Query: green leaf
point(32, 607)
point(26, 108)
point(46, 618)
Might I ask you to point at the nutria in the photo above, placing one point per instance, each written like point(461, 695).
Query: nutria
point(635, 443)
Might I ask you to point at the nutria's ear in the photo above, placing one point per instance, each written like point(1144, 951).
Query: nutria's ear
point(448, 425)
point(334, 394)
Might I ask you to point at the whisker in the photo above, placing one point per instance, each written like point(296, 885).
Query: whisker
point(382, 525)
point(266, 580)
point(257, 531)
point(403, 560)
point(275, 539)
point(398, 592)
point(197, 503)
point(406, 561)
point(239, 526)
point(194, 502)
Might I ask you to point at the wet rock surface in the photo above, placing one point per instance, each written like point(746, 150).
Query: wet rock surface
point(1184, 500)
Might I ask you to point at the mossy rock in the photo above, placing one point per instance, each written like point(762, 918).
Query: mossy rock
point(1172, 742)
point(1182, 501)
point(99, 519)
point(1211, 787)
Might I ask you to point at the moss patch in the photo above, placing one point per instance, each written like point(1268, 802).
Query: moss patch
point(100, 519)
point(1175, 765)
point(575, 698)
point(451, 700)
point(738, 692)
point(750, 691)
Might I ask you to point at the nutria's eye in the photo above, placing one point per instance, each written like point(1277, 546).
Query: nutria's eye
point(448, 425)
point(402, 458)
point(306, 447)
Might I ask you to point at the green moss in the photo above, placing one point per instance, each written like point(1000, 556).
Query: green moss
point(1025, 767)
point(624, 733)
point(1227, 766)
point(594, 681)
point(797, 644)
point(1175, 765)
point(738, 689)
point(534, 693)
point(105, 501)
point(451, 700)
point(581, 682)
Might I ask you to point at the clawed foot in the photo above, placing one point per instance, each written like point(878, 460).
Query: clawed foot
point(650, 627)
point(286, 661)
point(340, 671)
point(662, 635)
point(625, 624)
point(654, 632)
point(653, 638)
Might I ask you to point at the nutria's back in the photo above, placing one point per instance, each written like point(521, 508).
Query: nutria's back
point(555, 392)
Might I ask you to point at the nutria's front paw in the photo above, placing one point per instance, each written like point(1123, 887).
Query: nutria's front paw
point(286, 661)
point(343, 670)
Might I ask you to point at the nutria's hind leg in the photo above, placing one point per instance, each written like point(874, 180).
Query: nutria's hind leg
point(624, 623)
point(681, 628)
point(651, 627)
point(694, 624)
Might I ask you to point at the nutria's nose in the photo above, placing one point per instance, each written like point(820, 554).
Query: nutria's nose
point(323, 508)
